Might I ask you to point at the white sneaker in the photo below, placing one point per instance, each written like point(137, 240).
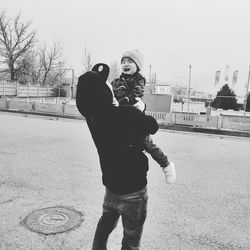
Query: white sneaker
point(170, 173)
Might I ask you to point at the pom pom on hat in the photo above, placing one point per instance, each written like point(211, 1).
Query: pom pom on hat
point(136, 56)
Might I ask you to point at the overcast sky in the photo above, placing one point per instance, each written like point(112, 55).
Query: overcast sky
point(207, 34)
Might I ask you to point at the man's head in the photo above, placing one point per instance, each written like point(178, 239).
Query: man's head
point(131, 62)
point(93, 95)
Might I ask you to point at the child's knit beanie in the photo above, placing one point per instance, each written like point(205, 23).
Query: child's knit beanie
point(136, 56)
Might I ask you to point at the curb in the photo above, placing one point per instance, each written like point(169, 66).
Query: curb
point(42, 114)
point(161, 125)
point(205, 130)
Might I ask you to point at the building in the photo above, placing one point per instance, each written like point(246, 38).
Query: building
point(179, 92)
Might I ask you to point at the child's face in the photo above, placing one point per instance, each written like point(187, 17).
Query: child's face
point(128, 66)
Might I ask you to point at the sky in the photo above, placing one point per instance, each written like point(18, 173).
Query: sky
point(209, 35)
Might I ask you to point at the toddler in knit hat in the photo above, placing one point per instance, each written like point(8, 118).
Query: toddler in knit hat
point(127, 89)
point(131, 83)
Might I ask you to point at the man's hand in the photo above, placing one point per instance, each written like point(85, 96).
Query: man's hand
point(140, 104)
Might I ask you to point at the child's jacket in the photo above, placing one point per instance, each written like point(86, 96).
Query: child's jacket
point(127, 87)
point(156, 153)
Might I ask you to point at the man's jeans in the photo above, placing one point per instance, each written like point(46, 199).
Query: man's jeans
point(133, 210)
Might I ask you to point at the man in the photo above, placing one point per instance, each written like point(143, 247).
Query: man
point(118, 133)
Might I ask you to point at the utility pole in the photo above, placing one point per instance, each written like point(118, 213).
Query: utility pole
point(72, 85)
point(60, 79)
point(189, 81)
point(247, 91)
point(149, 79)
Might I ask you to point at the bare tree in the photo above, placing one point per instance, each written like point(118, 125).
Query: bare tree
point(50, 61)
point(26, 68)
point(35, 69)
point(114, 71)
point(43, 65)
point(32, 68)
point(16, 41)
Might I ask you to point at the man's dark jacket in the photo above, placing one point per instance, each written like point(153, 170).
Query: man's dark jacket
point(118, 133)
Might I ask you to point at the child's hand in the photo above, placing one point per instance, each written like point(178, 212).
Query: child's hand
point(170, 174)
point(139, 104)
point(115, 102)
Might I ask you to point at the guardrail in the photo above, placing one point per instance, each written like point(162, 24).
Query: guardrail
point(160, 116)
point(235, 123)
point(195, 120)
point(229, 122)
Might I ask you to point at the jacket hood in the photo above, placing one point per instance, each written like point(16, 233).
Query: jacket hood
point(93, 96)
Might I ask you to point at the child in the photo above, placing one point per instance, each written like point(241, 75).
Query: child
point(127, 89)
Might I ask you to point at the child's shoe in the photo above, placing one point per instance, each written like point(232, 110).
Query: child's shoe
point(170, 174)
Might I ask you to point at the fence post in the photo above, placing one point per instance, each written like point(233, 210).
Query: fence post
point(220, 122)
point(37, 88)
point(63, 107)
point(4, 88)
point(7, 103)
point(17, 85)
point(175, 118)
point(27, 90)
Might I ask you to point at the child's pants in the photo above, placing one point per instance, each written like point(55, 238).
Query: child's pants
point(133, 210)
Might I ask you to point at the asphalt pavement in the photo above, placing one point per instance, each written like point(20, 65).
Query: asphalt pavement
point(48, 161)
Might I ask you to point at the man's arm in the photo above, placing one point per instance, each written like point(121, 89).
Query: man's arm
point(150, 124)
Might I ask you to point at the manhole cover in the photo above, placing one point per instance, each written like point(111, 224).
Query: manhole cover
point(53, 220)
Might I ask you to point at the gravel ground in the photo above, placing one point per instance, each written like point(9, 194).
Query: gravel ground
point(46, 162)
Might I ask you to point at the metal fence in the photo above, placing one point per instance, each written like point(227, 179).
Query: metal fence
point(9, 88)
point(34, 91)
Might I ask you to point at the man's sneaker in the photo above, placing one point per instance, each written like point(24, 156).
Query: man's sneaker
point(170, 174)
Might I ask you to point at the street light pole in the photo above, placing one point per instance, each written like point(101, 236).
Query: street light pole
point(189, 81)
point(72, 84)
point(60, 79)
point(247, 91)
